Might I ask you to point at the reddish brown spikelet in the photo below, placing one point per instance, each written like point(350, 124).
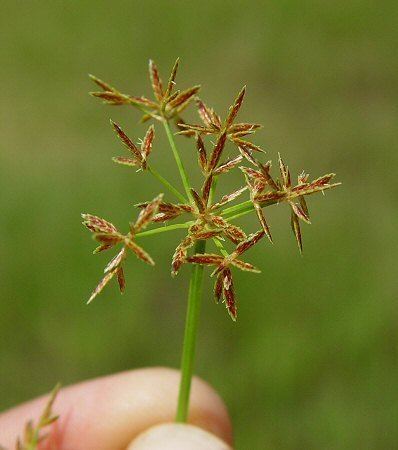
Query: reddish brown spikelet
point(295, 224)
point(228, 165)
point(155, 80)
point(206, 189)
point(144, 218)
point(143, 101)
point(248, 146)
point(205, 114)
point(112, 98)
point(202, 155)
point(105, 280)
point(229, 294)
point(217, 151)
point(298, 211)
point(245, 266)
point(171, 82)
point(232, 232)
point(198, 201)
point(270, 197)
point(249, 242)
point(124, 161)
point(139, 252)
point(229, 198)
point(116, 261)
point(218, 287)
point(233, 112)
point(209, 234)
point(263, 221)
point(180, 254)
point(285, 174)
point(246, 153)
point(205, 258)
point(147, 143)
point(245, 128)
point(126, 141)
point(121, 279)
point(181, 100)
point(98, 225)
point(102, 84)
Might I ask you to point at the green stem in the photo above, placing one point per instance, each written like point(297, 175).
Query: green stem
point(180, 165)
point(220, 247)
point(191, 327)
point(244, 208)
point(168, 185)
point(164, 229)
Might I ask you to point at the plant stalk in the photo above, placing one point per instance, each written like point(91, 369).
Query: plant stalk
point(180, 165)
point(167, 184)
point(191, 328)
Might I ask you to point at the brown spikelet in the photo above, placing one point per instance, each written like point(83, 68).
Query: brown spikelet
point(249, 242)
point(194, 128)
point(124, 161)
point(143, 101)
point(229, 294)
point(218, 287)
point(183, 98)
point(171, 82)
point(116, 261)
point(206, 114)
point(102, 84)
point(147, 143)
point(205, 258)
point(217, 151)
point(245, 266)
point(105, 280)
point(209, 234)
point(206, 189)
point(228, 198)
point(126, 141)
point(228, 165)
point(112, 98)
point(121, 279)
point(263, 221)
point(146, 214)
point(245, 128)
point(198, 201)
point(202, 155)
point(298, 211)
point(139, 252)
point(248, 146)
point(295, 224)
point(180, 254)
point(155, 80)
point(98, 225)
point(233, 112)
point(246, 153)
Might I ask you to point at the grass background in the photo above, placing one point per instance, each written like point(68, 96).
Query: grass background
point(312, 361)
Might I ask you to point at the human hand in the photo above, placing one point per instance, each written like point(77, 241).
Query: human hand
point(130, 410)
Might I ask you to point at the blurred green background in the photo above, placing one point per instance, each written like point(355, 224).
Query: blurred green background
point(312, 361)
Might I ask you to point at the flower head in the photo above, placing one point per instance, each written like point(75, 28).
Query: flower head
point(227, 129)
point(208, 220)
point(139, 156)
point(223, 286)
point(167, 103)
point(108, 236)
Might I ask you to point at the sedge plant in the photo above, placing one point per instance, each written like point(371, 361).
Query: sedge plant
point(213, 237)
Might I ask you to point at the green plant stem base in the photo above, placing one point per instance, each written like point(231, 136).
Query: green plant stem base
point(189, 345)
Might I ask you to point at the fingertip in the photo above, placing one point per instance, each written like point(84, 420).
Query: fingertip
point(173, 436)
